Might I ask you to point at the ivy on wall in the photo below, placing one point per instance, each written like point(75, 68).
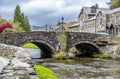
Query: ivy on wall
point(63, 41)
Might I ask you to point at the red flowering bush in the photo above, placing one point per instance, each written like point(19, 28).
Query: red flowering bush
point(5, 25)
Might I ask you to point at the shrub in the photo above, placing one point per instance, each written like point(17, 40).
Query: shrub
point(8, 30)
point(44, 73)
point(105, 55)
point(118, 38)
point(60, 55)
point(63, 41)
point(72, 50)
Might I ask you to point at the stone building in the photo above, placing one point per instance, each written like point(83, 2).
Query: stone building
point(74, 27)
point(98, 20)
point(108, 21)
point(59, 29)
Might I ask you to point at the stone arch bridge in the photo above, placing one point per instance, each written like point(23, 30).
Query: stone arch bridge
point(49, 42)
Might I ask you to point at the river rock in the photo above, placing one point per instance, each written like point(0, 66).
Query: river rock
point(14, 63)
point(34, 77)
point(31, 71)
point(3, 62)
point(6, 77)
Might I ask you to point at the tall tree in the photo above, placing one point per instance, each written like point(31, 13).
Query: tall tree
point(17, 14)
point(27, 24)
point(114, 4)
point(21, 19)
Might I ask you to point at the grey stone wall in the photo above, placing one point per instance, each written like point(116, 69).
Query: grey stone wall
point(95, 39)
point(50, 41)
point(101, 26)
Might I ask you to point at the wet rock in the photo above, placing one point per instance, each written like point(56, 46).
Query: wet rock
point(31, 71)
point(20, 72)
point(6, 77)
point(8, 74)
point(34, 77)
point(8, 71)
point(16, 66)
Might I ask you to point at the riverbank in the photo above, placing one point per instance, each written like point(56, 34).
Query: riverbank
point(83, 68)
point(15, 63)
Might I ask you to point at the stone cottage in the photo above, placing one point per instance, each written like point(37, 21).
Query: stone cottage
point(99, 20)
point(74, 28)
point(108, 21)
point(59, 29)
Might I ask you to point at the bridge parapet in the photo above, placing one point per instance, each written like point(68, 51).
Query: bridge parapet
point(18, 39)
point(98, 39)
point(52, 39)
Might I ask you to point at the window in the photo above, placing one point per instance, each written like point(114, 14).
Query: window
point(117, 19)
point(83, 22)
point(100, 21)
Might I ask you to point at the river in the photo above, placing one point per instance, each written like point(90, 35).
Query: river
point(83, 68)
point(34, 53)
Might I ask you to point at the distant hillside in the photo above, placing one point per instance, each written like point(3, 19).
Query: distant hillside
point(65, 25)
point(35, 27)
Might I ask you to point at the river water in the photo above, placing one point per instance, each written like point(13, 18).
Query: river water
point(34, 53)
point(83, 68)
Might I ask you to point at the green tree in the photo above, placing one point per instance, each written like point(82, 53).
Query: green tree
point(17, 14)
point(114, 4)
point(17, 27)
point(21, 20)
point(27, 24)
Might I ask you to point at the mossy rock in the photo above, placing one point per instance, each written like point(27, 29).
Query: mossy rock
point(44, 73)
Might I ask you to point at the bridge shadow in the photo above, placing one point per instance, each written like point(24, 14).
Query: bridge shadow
point(86, 49)
point(45, 50)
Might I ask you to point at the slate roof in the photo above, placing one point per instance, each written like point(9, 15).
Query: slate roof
point(75, 25)
point(93, 18)
point(115, 10)
point(108, 11)
point(88, 10)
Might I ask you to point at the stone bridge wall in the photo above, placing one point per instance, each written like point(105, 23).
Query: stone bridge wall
point(18, 39)
point(100, 41)
point(52, 39)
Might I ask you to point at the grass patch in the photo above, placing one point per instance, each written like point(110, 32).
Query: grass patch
point(30, 45)
point(60, 55)
point(44, 73)
point(118, 38)
point(103, 56)
point(72, 50)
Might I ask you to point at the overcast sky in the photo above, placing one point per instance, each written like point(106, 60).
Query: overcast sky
point(42, 12)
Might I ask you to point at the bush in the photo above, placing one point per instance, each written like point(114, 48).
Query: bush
point(105, 55)
point(118, 38)
point(44, 73)
point(60, 55)
point(72, 50)
point(63, 41)
point(8, 30)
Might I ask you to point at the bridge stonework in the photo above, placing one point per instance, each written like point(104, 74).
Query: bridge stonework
point(50, 41)
point(96, 40)
point(47, 41)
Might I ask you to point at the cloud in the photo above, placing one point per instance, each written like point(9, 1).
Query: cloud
point(51, 10)
point(41, 12)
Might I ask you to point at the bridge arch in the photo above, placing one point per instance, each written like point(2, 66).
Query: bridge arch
point(86, 48)
point(46, 48)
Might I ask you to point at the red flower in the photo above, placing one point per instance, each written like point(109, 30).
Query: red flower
point(5, 25)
